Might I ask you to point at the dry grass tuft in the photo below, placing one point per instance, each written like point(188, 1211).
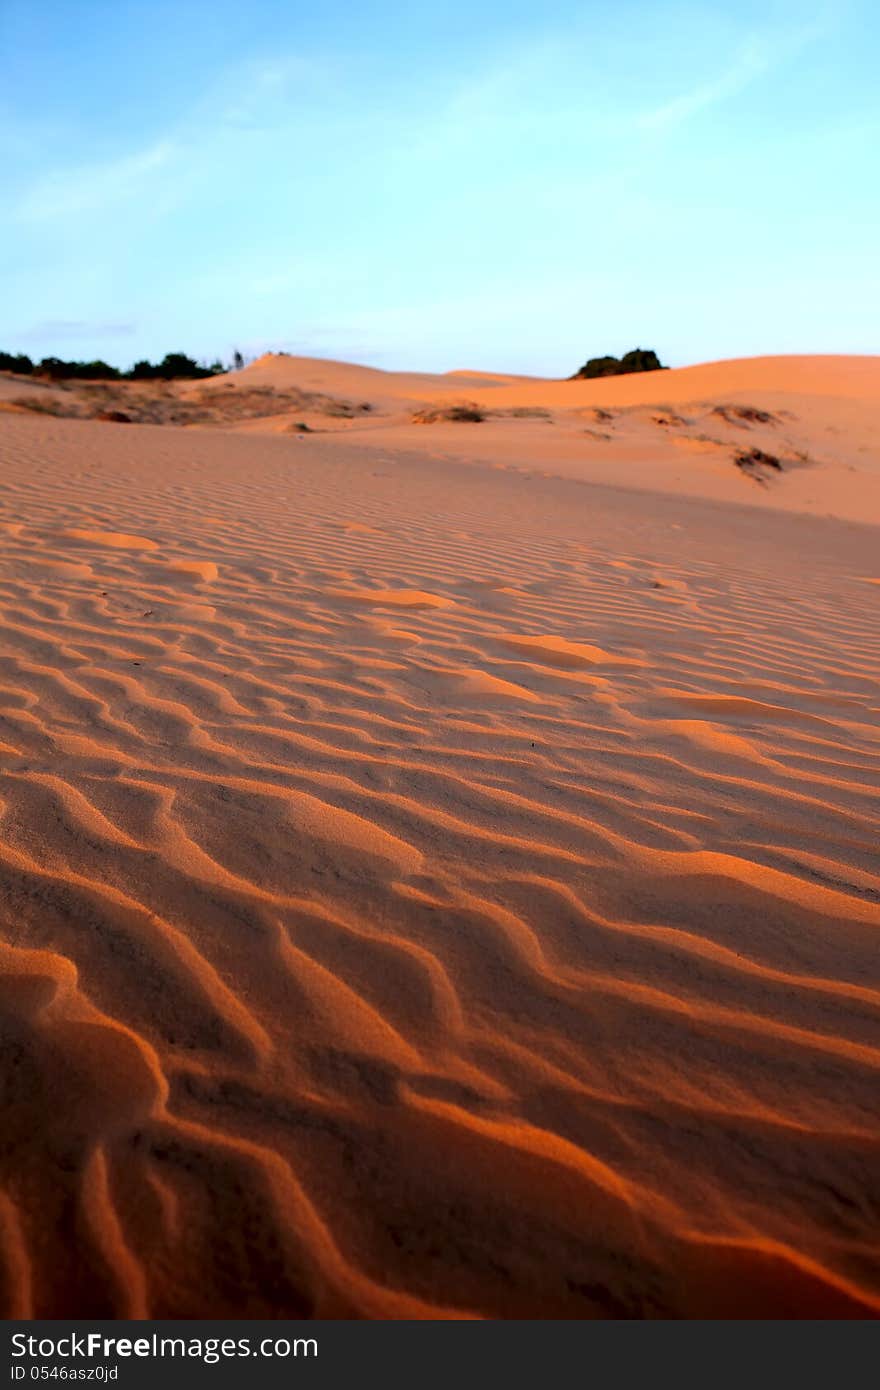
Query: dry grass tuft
point(40, 405)
point(164, 403)
point(744, 415)
point(466, 413)
point(757, 465)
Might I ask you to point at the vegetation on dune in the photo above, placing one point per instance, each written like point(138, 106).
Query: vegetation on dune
point(173, 367)
point(755, 463)
point(638, 360)
point(38, 404)
point(17, 362)
point(466, 413)
point(748, 414)
point(177, 366)
point(160, 401)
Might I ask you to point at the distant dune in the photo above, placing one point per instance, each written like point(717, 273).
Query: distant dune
point(796, 434)
point(439, 861)
point(850, 377)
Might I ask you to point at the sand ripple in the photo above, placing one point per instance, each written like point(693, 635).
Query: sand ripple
point(429, 892)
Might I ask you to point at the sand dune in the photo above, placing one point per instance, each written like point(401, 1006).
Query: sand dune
point(856, 378)
point(434, 890)
point(687, 431)
point(791, 434)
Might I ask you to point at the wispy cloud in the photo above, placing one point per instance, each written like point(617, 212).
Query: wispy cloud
point(256, 99)
point(759, 54)
point(93, 187)
point(752, 63)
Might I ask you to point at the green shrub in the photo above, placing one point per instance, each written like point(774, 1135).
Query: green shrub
point(17, 362)
point(638, 360)
point(174, 365)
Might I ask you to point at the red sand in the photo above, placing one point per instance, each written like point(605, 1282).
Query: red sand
point(437, 890)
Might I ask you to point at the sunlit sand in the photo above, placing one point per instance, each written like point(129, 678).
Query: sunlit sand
point(440, 860)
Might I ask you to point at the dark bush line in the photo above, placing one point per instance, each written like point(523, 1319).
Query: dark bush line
point(173, 366)
point(176, 365)
point(639, 360)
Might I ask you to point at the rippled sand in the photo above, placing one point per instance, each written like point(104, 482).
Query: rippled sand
point(429, 890)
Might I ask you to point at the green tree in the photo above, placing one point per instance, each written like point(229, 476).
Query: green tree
point(16, 362)
point(637, 360)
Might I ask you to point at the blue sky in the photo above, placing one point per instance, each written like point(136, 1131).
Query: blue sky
point(496, 185)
